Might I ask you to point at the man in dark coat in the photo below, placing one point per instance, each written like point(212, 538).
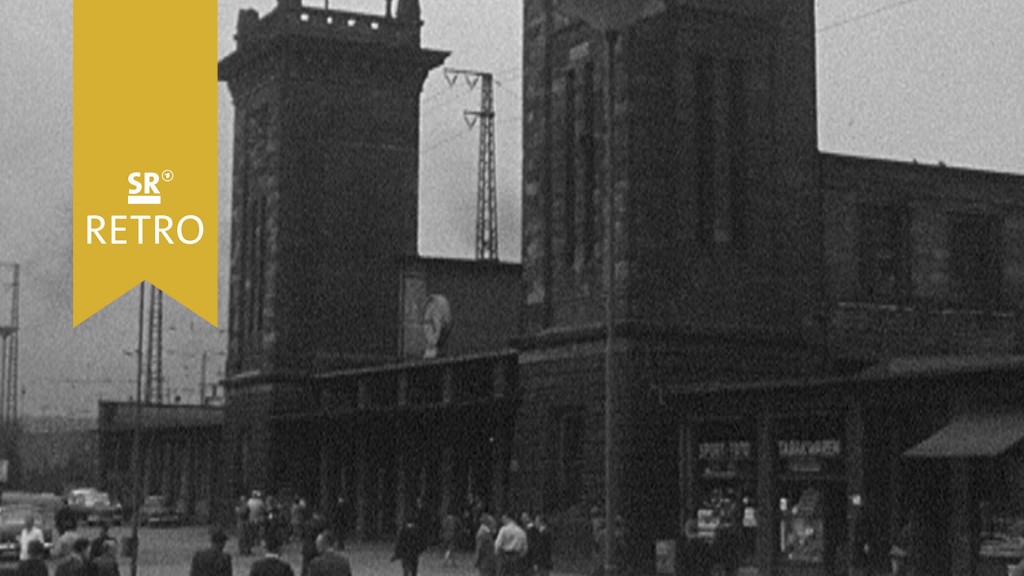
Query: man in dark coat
point(212, 561)
point(75, 563)
point(309, 530)
point(105, 564)
point(408, 547)
point(271, 564)
point(329, 561)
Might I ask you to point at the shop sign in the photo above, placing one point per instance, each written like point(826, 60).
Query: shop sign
point(829, 448)
point(725, 451)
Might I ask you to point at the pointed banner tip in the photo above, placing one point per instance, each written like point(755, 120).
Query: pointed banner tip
point(145, 169)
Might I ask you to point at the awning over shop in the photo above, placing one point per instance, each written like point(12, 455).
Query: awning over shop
point(973, 435)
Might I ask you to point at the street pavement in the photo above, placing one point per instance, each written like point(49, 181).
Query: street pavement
point(168, 552)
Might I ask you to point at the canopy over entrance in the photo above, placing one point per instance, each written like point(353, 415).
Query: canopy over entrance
point(973, 435)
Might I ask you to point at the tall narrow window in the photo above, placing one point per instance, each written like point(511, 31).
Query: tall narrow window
point(571, 430)
point(975, 259)
point(883, 244)
point(589, 143)
point(738, 146)
point(570, 166)
point(704, 135)
point(260, 264)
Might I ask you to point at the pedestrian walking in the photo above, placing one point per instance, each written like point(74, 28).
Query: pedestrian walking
point(449, 531)
point(329, 560)
point(243, 527)
point(341, 519)
point(65, 518)
point(74, 564)
point(510, 546)
point(271, 564)
point(34, 565)
point(901, 554)
point(29, 533)
point(485, 561)
point(105, 564)
point(257, 517)
point(540, 549)
point(309, 532)
point(101, 540)
point(298, 517)
point(526, 523)
point(408, 547)
point(212, 561)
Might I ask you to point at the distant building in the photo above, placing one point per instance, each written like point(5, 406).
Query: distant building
point(180, 454)
point(811, 350)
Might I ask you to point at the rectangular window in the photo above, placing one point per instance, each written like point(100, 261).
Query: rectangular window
point(883, 243)
point(570, 166)
point(260, 264)
point(571, 431)
point(975, 259)
point(738, 136)
point(704, 135)
point(590, 171)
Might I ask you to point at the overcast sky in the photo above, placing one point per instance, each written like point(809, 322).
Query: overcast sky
point(920, 79)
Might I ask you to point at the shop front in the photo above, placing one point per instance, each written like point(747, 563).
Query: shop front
point(979, 454)
point(825, 479)
point(764, 493)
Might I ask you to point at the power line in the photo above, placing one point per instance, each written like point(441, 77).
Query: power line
point(448, 140)
point(865, 15)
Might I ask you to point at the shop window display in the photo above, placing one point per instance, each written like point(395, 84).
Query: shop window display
point(722, 532)
point(802, 526)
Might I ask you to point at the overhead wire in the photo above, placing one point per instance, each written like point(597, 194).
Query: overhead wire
point(865, 15)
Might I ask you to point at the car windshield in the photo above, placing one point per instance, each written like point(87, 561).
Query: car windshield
point(97, 499)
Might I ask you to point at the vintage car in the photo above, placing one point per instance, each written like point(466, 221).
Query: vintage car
point(12, 520)
point(156, 512)
point(94, 507)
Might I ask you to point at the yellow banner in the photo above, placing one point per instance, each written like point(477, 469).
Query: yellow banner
point(145, 152)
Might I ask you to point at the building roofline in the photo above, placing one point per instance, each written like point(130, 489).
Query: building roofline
point(917, 168)
point(418, 363)
point(461, 262)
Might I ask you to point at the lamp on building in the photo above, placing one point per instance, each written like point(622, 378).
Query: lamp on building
point(610, 17)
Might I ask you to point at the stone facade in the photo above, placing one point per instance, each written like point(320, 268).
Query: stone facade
point(326, 166)
point(746, 261)
point(757, 280)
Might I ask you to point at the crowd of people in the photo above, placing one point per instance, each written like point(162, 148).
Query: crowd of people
point(518, 547)
point(75, 555)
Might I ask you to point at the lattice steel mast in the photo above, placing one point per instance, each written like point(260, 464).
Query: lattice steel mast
point(486, 190)
point(9, 343)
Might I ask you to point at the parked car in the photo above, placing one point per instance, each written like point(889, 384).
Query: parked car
point(156, 512)
point(95, 507)
point(12, 520)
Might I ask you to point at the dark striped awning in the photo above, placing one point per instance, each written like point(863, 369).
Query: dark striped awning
point(972, 436)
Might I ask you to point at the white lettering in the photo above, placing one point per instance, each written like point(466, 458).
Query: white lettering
point(133, 179)
point(90, 230)
point(139, 219)
point(151, 180)
point(162, 230)
point(114, 229)
point(198, 222)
